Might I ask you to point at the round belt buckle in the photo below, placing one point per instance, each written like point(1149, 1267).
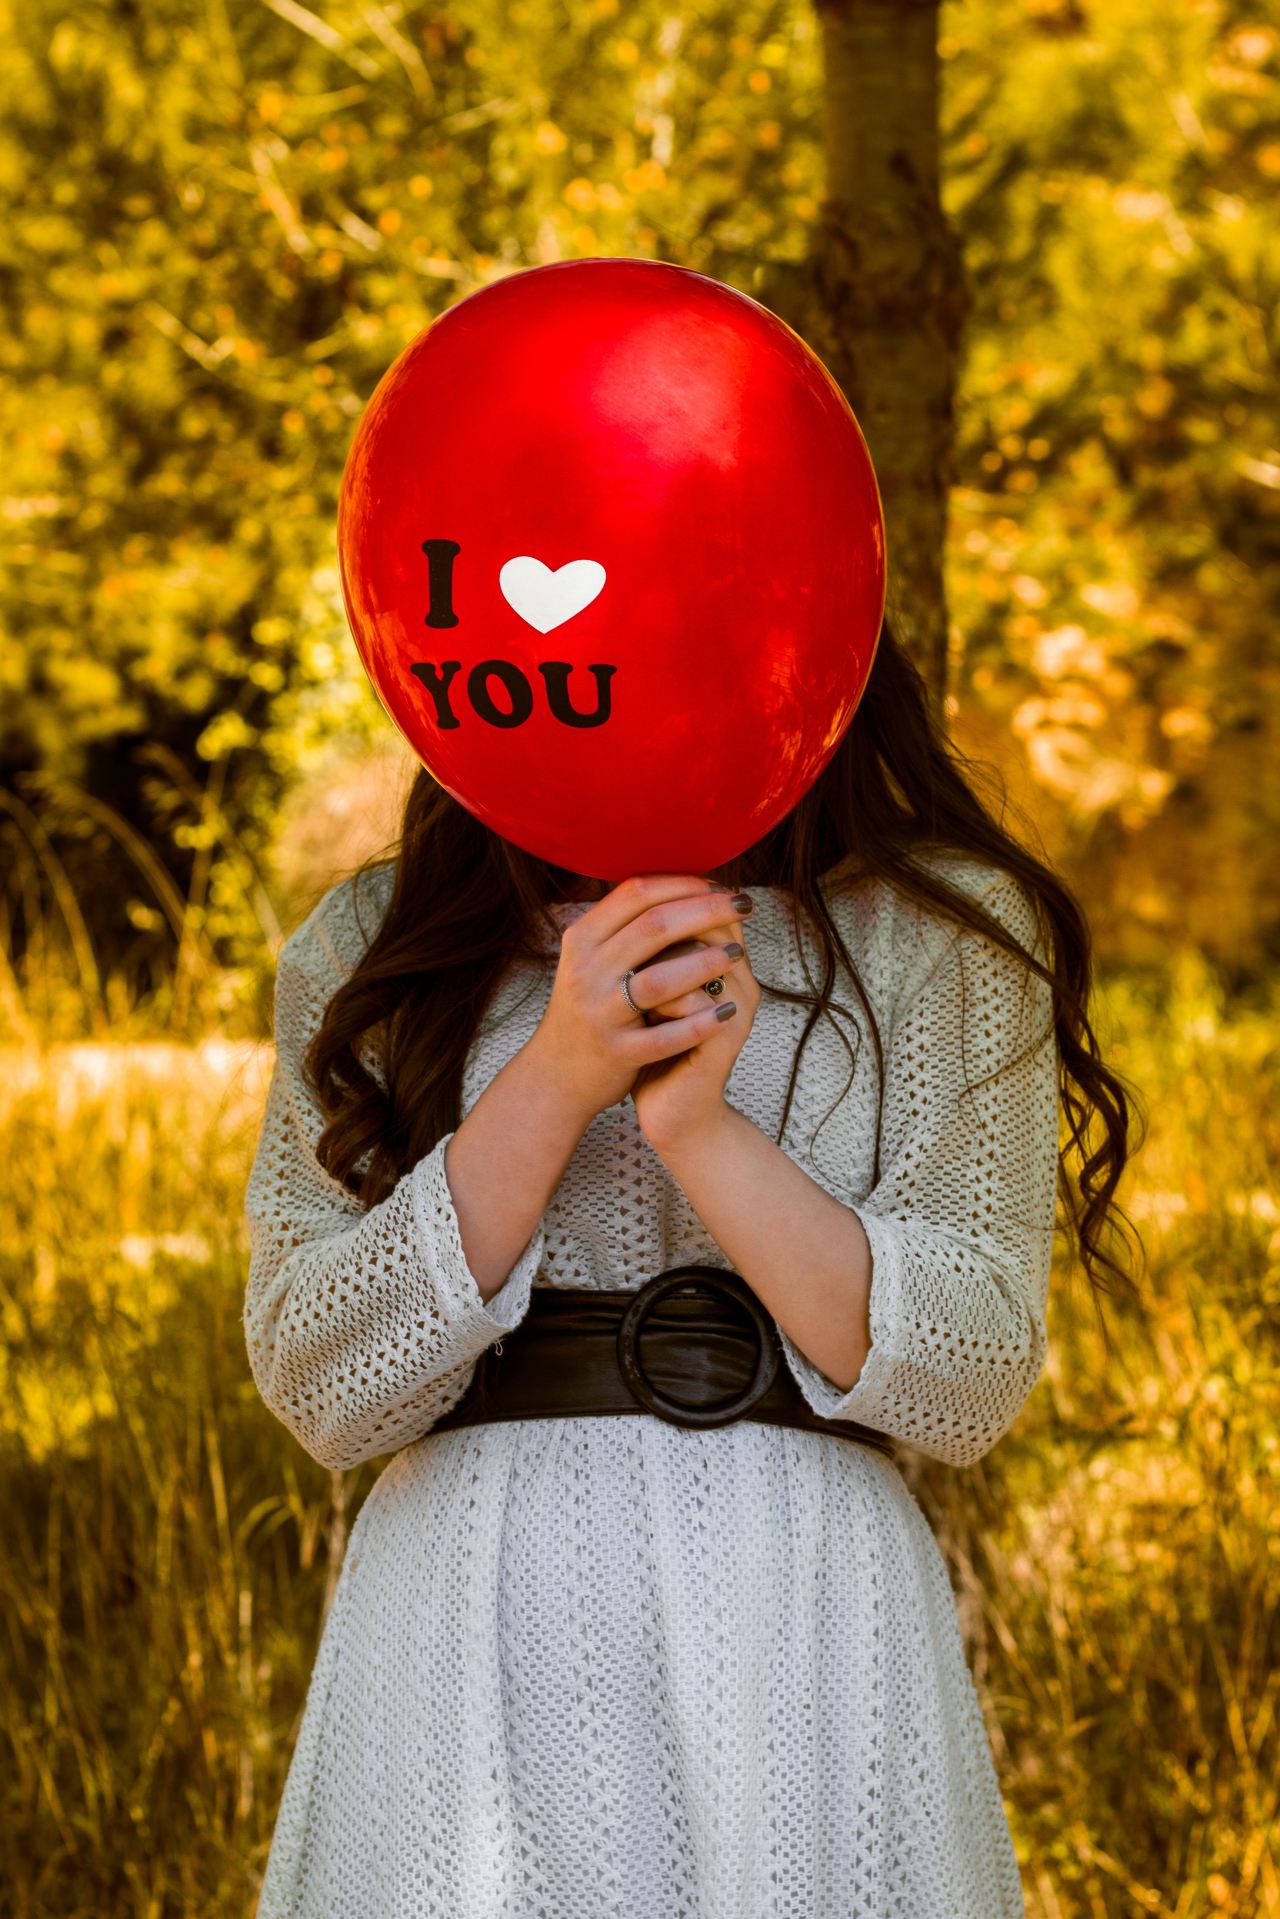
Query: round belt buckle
point(642, 1387)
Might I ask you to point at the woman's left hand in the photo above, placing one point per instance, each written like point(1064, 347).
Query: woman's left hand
point(678, 1096)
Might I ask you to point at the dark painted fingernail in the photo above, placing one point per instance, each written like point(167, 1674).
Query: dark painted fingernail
point(741, 902)
point(734, 950)
point(726, 1012)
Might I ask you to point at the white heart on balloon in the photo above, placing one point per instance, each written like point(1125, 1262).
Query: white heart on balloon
point(544, 599)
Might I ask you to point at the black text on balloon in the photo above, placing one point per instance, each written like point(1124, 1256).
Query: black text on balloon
point(438, 680)
point(440, 558)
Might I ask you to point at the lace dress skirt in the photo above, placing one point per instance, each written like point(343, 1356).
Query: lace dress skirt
point(739, 1693)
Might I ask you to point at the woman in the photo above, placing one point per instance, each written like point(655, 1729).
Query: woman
point(590, 1665)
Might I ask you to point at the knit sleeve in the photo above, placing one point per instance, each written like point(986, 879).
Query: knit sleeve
point(363, 1326)
point(961, 1220)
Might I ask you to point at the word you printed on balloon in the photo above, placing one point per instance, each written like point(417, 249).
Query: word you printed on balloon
point(543, 600)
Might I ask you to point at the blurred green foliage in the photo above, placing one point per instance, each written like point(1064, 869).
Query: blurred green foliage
point(1115, 568)
point(223, 225)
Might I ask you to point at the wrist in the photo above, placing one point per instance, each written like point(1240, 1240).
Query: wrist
point(558, 1079)
point(695, 1134)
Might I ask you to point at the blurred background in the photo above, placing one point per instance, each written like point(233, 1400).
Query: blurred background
point(1038, 242)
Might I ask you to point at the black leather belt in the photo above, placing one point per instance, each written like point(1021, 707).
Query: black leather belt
point(706, 1362)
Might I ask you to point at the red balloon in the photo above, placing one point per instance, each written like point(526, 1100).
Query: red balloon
point(613, 555)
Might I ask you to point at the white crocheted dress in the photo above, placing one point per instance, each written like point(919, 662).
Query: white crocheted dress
point(616, 1668)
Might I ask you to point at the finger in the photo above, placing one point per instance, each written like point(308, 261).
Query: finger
point(680, 970)
point(640, 916)
point(711, 964)
point(678, 1008)
point(624, 899)
point(641, 1045)
point(642, 941)
point(675, 1005)
point(738, 983)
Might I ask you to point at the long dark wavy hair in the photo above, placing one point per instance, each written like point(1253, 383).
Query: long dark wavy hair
point(466, 903)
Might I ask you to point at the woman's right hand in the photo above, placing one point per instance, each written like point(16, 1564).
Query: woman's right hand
point(588, 1040)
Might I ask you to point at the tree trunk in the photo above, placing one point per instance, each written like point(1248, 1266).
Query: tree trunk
point(884, 295)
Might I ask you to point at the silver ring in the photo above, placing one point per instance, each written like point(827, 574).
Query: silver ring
point(625, 984)
point(713, 986)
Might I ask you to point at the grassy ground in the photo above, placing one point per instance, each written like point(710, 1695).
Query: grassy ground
point(170, 1549)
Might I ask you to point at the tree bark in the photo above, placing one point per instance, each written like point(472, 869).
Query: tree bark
point(884, 298)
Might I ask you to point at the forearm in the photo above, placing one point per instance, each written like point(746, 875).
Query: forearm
point(803, 1253)
point(507, 1158)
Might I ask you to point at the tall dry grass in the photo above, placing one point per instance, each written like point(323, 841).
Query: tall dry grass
point(170, 1548)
